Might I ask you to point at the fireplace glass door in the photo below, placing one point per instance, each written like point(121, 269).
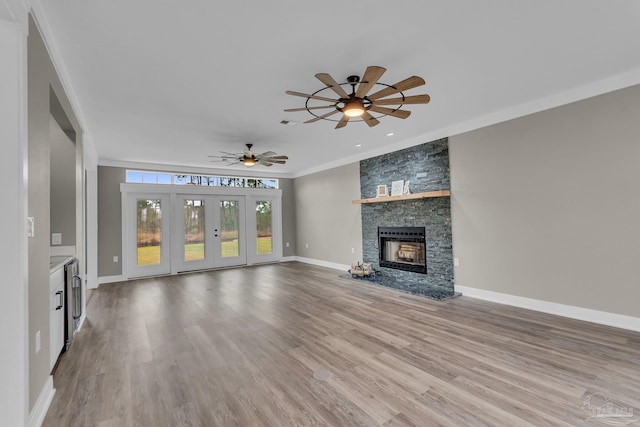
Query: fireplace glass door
point(403, 248)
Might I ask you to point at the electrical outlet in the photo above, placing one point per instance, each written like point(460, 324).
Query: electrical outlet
point(456, 262)
point(31, 226)
point(287, 244)
point(306, 245)
point(353, 250)
point(56, 238)
point(37, 342)
point(115, 258)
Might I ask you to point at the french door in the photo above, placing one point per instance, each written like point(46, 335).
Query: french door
point(148, 236)
point(210, 232)
point(263, 241)
point(169, 233)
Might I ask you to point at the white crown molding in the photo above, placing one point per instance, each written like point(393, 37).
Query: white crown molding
point(16, 11)
point(42, 22)
point(572, 312)
point(580, 93)
point(192, 169)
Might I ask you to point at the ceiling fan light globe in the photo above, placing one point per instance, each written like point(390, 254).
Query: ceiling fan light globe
point(353, 108)
point(249, 162)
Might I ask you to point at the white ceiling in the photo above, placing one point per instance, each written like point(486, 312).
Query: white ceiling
point(170, 82)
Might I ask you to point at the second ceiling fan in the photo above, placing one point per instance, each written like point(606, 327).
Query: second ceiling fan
point(250, 159)
point(358, 104)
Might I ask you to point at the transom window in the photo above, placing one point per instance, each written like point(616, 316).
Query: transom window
point(147, 177)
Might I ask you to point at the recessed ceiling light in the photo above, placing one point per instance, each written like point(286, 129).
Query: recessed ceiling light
point(358, 145)
point(390, 134)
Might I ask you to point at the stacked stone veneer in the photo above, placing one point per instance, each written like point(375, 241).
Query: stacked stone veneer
point(426, 167)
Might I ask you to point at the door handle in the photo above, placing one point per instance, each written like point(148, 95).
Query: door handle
point(60, 301)
point(77, 297)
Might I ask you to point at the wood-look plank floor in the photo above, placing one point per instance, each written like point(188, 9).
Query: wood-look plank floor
point(239, 347)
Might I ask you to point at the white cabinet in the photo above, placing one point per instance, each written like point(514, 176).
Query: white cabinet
point(56, 315)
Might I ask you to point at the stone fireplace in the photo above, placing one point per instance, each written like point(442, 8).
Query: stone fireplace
point(426, 167)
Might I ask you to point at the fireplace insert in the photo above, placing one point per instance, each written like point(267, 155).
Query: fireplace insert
point(403, 248)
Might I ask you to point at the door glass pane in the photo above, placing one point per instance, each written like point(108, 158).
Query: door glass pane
point(263, 233)
point(148, 232)
point(194, 230)
point(229, 221)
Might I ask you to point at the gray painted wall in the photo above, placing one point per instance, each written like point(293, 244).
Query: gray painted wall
point(288, 218)
point(547, 206)
point(62, 160)
point(326, 218)
point(43, 83)
point(110, 223)
point(109, 220)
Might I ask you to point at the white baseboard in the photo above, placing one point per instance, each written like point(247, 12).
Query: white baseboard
point(81, 322)
point(36, 417)
point(111, 279)
point(572, 312)
point(322, 263)
point(287, 258)
point(62, 251)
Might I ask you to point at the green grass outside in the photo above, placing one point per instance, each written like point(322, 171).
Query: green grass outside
point(264, 245)
point(150, 255)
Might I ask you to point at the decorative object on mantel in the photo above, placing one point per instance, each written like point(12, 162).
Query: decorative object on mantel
point(425, 195)
point(405, 190)
point(358, 104)
point(382, 191)
point(397, 188)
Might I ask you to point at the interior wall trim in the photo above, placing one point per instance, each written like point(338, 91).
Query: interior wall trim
point(42, 22)
point(589, 90)
point(36, 417)
point(579, 313)
point(322, 263)
point(110, 279)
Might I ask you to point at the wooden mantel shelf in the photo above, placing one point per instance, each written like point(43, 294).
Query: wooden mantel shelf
point(428, 194)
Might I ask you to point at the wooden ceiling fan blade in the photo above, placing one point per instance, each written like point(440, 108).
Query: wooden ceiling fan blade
point(415, 99)
point(279, 157)
point(369, 119)
point(306, 95)
point(280, 162)
point(406, 84)
point(332, 84)
point(401, 114)
point(343, 121)
point(264, 163)
point(228, 162)
point(315, 119)
point(293, 110)
point(371, 76)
